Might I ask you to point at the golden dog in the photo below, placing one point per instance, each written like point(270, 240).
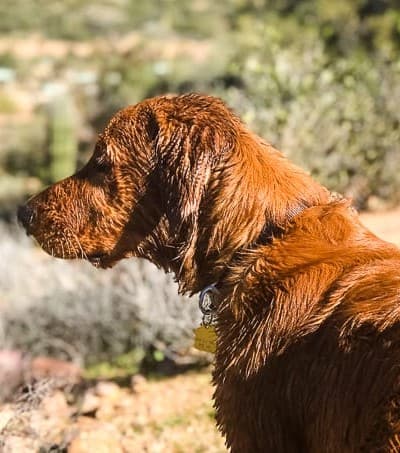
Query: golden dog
point(308, 304)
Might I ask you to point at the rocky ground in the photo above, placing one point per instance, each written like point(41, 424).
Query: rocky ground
point(169, 415)
point(67, 413)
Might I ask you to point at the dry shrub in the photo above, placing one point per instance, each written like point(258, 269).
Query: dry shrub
point(71, 310)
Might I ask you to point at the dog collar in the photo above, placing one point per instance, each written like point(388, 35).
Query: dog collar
point(207, 304)
point(205, 336)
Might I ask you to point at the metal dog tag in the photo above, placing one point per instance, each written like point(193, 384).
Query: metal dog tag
point(205, 339)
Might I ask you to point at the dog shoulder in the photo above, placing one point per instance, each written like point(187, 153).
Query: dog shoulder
point(370, 296)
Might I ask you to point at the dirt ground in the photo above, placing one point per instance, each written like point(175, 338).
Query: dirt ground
point(386, 225)
point(171, 415)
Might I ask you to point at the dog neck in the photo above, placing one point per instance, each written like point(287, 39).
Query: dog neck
point(248, 202)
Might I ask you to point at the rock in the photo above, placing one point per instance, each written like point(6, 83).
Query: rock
point(131, 445)
point(17, 444)
point(47, 367)
point(6, 414)
point(84, 423)
point(102, 438)
point(138, 383)
point(106, 411)
point(108, 390)
point(90, 403)
point(55, 405)
point(11, 372)
point(50, 419)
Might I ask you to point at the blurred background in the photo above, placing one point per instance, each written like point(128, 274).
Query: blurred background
point(319, 79)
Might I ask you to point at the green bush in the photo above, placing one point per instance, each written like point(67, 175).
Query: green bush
point(338, 118)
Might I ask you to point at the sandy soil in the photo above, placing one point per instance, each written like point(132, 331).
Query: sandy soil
point(386, 225)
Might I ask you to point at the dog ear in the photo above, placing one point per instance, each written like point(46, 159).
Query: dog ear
point(183, 156)
point(186, 157)
point(188, 154)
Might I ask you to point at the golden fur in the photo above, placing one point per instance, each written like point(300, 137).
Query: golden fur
point(308, 347)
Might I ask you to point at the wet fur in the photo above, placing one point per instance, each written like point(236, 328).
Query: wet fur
point(308, 347)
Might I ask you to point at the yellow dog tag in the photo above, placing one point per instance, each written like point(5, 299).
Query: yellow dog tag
point(205, 339)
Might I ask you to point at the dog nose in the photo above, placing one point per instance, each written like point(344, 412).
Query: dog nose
point(26, 216)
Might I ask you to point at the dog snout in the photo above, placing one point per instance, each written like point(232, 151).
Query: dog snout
point(26, 216)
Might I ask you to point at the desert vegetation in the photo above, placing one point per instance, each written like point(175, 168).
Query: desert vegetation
point(73, 311)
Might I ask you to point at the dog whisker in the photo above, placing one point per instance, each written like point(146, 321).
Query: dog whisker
point(83, 254)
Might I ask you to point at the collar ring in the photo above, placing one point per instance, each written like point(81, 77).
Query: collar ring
point(206, 304)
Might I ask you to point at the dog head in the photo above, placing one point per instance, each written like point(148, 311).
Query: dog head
point(177, 180)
